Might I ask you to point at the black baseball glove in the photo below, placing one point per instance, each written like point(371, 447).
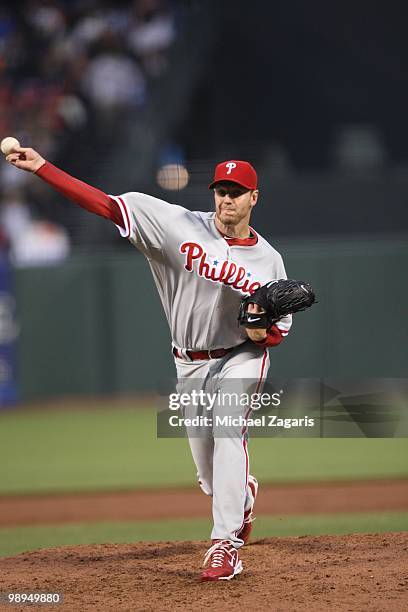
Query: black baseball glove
point(277, 299)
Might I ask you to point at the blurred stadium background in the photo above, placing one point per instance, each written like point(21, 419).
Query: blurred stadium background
point(148, 95)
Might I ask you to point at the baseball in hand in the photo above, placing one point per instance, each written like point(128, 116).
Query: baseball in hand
point(8, 145)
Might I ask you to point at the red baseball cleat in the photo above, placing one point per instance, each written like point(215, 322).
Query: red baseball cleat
point(249, 518)
point(223, 561)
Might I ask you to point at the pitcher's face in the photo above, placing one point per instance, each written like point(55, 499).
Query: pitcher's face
point(233, 203)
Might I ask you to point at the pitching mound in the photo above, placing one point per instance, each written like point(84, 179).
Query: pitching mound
point(357, 572)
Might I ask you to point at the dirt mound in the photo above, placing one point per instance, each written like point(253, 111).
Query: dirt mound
point(356, 572)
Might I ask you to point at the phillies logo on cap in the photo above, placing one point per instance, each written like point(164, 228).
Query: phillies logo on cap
point(230, 166)
point(236, 171)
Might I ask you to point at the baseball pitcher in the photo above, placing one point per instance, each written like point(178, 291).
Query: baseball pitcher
point(208, 267)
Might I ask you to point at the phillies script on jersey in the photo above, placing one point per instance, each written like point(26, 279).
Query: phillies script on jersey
point(228, 273)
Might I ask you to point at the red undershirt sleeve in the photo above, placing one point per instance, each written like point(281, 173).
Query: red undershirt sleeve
point(88, 197)
point(273, 338)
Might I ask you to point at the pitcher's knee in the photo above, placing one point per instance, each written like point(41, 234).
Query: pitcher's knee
point(205, 486)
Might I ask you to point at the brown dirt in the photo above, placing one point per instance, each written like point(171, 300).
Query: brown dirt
point(279, 499)
point(342, 573)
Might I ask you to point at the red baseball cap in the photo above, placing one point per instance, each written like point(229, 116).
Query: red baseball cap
point(235, 171)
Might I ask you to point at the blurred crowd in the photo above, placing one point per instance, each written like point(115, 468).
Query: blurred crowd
point(64, 65)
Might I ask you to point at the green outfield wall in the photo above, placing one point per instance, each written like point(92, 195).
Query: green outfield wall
point(95, 325)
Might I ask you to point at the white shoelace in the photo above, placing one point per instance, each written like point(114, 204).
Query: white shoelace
point(218, 552)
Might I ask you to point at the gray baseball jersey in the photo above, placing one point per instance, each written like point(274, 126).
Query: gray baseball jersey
point(200, 275)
